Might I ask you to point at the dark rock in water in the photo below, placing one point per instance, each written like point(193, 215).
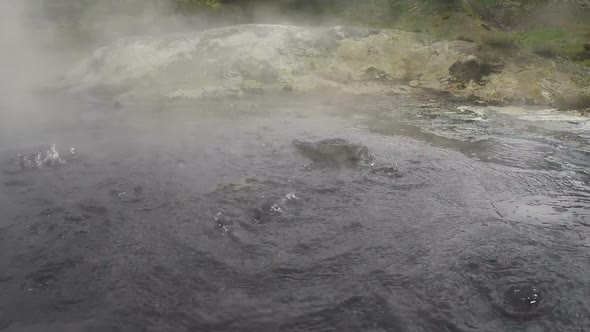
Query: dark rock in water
point(470, 68)
point(334, 152)
point(587, 47)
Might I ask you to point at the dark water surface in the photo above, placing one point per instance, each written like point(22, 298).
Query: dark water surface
point(204, 218)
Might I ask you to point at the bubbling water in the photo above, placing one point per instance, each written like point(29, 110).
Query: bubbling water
point(47, 158)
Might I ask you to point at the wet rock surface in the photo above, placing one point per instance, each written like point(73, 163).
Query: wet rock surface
point(471, 68)
point(334, 152)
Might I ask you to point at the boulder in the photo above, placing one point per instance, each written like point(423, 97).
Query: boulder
point(470, 68)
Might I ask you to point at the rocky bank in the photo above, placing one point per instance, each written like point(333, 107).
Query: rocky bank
point(257, 59)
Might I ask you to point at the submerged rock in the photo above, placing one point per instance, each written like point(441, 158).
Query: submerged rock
point(339, 152)
point(334, 152)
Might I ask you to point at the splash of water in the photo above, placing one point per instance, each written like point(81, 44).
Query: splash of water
point(50, 157)
point(276, 209)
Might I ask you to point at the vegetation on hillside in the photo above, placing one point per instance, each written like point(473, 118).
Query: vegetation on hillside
point(549, 28)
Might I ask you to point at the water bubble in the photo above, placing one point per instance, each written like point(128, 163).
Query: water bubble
point(74, 153)
point(275, 148)
point(221, 221)
point(290, 200)
point(306, 167)
point(117, 193)
point(39, 159)
point(276, 208)
point(391, 171)
point(523, 301)
point(50, 157)
point(523, 298)
point(218, 216)
point(24, 162)
point(53, 157)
